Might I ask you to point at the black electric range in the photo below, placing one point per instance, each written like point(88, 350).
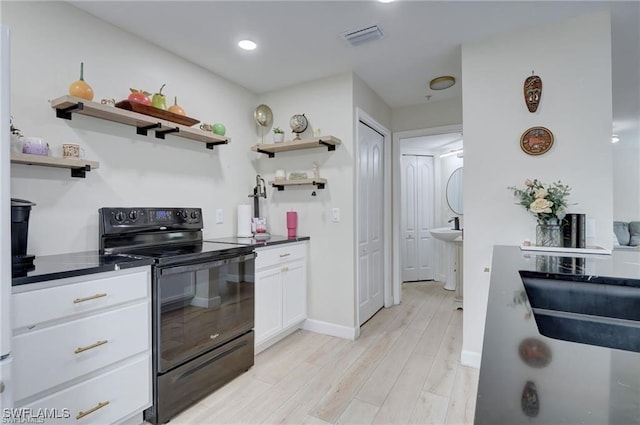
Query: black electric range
point(202, 302)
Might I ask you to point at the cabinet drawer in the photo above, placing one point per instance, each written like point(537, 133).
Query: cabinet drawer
point(105, 399)
point(41, 305)
point(56, 354)
point(272, 256)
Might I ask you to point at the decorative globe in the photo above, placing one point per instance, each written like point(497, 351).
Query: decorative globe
point(298, 123)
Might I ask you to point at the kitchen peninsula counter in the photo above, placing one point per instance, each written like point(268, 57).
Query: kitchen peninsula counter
point(526, 377)
point(60, 266)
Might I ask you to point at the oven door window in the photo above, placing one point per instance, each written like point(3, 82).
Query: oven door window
point(202, 306)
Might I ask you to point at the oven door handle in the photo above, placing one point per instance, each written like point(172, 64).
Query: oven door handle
point(206, 265)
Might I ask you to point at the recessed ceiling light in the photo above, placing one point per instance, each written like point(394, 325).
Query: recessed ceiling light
point(385, 1)
point(442, 83)
point(247, 44)
point(615, 138)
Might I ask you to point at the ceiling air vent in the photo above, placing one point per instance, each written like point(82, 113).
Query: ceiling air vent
point(363, 35)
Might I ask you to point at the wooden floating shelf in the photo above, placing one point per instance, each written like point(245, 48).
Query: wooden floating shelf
point(66, 106)
point(271, 149)
point(78, 167)
point(280, 184)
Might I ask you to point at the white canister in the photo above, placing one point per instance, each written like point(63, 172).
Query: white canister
point(280, 175)
point(244, 221)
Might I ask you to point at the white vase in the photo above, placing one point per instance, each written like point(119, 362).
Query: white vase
point(278, 137)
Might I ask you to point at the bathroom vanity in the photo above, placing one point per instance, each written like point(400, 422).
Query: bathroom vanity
point(526, 377)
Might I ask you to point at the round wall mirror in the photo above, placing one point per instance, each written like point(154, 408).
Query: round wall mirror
point(454, 191)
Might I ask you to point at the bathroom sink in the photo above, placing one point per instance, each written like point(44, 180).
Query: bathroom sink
point(445, 233)
point(586, 309)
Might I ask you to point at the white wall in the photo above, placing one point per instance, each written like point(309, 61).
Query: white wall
point(626, 181)
point(369, 101)
point(448, 165)
point(328, 105)
point(49, 40)
point(574, 61)
point(432, 114)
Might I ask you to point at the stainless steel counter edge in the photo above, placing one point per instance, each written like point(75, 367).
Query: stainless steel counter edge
point(273, 240)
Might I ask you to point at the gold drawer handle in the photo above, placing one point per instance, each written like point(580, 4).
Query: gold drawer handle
point(93, 409)
point(89, 347)
point(92, 297)
point(284, 255)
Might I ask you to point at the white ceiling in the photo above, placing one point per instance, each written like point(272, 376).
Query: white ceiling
point(300, 41)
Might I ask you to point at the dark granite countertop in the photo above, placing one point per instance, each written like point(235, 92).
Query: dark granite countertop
point(59, 266)
point(273, 240)
point(567, 382)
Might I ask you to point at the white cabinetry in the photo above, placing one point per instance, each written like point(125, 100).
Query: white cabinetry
point(281, 292)
point(82, 346)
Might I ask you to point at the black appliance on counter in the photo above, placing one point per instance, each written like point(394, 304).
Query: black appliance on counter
point(21, 262)
point(203, 302)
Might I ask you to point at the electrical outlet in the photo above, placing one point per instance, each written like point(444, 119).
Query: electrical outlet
point(218, 216)
point(335, 215)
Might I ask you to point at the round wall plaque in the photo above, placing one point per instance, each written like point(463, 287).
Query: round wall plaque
point(536, 140)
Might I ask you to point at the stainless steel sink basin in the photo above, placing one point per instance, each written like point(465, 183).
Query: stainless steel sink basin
point(593, 310)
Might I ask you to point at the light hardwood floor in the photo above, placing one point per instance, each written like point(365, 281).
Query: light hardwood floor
point(404, 369)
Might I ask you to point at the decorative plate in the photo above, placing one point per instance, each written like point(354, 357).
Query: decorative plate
point(263, 115)
point(536, 140)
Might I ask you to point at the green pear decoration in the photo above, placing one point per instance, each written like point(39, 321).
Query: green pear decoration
point(159, 100)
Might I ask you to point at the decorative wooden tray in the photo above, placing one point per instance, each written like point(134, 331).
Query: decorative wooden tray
point(155, 112)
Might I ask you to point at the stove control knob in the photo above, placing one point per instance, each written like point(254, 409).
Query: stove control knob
point(133, 215)
point(194, 214)
point(119, 216)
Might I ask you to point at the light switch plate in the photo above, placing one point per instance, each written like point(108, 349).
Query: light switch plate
point(218, 216)
point(335, 215)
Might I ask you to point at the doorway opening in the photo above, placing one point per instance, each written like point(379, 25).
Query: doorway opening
point(422, 162)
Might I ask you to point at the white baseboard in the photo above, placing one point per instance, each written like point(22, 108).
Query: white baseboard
point(331, 329)
point(470, 358)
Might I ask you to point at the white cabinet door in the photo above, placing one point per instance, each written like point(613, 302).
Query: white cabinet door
point(268, 314)
point(294, 293)
point(6, 384)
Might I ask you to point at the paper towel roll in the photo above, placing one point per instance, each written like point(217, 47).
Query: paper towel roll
point(244, 221)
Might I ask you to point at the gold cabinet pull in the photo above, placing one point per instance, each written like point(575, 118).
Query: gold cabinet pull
point(89, 347)
point(92, 297)
point(93, 409)
point(285, 255)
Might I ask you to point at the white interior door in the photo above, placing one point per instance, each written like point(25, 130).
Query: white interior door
point(370, 224)
point(408, 220)
point(417, 217)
